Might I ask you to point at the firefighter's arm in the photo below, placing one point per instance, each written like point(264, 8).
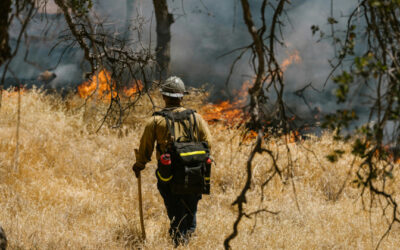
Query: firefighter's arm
point(204, 131)
point(143, 155)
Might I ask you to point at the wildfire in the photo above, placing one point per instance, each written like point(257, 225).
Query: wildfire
point(137, 86)
point(101, 83)
point(103, 86)
point(231, 113)
point(392, 155)
point(293, 58)
point(293, 136)
point(13, 92)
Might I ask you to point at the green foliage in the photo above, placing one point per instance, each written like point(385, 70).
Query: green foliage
point(376, 69)
point(332, 20)
point(314, 29)
point(367, 131)
point(372, 55)
point(375, 3)
point(386, 5)
point(359, 148)
point(341, 119)
point(335, 155)
point(343, 80)
point(80, 7)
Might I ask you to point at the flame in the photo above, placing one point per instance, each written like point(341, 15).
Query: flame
point(231, 112)
point(250, 135)
point(100, 83)
point(104, 86)
point(12, 93)
point(386, 153)
point(293, 136)
point(293, 58)
point(392, 156)
point(137, 86)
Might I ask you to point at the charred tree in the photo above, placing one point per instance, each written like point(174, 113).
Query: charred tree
point(164, 19)
point(23, 13)
point(265, 66)
point(5, 52)
point(105, 52)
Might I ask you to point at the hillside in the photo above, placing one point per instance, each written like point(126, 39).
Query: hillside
point(74, 188)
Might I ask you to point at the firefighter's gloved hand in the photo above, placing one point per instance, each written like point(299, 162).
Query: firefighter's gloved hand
point(137, 168)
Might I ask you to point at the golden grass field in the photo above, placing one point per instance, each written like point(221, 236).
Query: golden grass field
point(74, 188)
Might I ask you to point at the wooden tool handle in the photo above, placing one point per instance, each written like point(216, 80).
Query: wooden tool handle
point(141, 207)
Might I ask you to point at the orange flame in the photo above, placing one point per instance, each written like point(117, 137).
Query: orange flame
point(104, 86)
point(392, 156)
point(293, 58)
point(13, 92)
point(293, 136)
point(100, 83)
point(385, 153)
point(137, 86)
point(231, 113)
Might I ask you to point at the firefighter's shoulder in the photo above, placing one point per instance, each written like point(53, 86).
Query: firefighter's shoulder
point(155, 120)
point(201, 120)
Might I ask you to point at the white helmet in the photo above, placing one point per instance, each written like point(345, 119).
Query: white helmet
point(173, 87)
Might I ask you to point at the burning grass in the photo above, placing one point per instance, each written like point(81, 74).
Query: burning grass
point(102, 86)
point(74, 188)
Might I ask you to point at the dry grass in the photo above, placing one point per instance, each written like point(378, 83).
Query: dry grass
point(75, 189)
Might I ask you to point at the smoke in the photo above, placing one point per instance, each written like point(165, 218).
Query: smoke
point(36, 53)
point(315, 52)
point(205, 30)
point(64, 73)
point(202, 32)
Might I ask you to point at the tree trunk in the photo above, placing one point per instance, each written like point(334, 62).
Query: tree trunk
point(5, 8)
point(5, 51)
point(164, 21)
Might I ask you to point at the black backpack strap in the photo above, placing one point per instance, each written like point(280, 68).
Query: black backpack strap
point(171, 126)
point(190, 129)
point(172, 117)
point(169, 120)
point(195, 127)
point(192, 125)
point(187, 130)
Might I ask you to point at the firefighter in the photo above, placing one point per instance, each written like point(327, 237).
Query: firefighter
point(181, 208)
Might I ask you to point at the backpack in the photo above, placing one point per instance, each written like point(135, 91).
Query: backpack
point(186, 165)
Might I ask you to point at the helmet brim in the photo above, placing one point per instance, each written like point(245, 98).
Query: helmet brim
point(176, 95)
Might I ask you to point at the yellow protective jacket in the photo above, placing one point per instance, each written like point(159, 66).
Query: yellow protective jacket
point(156, 131)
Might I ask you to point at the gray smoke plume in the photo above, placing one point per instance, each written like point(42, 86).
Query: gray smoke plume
point(205, 30)
point(202, 32)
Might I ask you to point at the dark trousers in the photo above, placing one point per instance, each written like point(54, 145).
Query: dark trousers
point(181, 211)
